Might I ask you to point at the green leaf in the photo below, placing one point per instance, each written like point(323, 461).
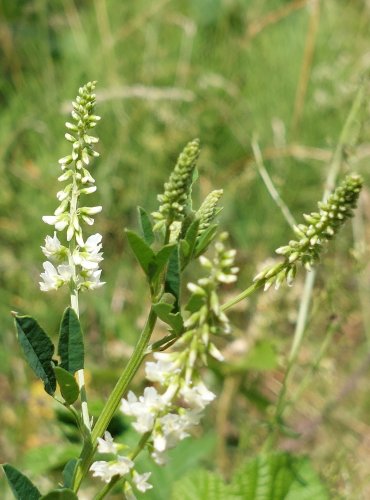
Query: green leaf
point(60, 494)
point(195, 303)
point(68, 472)
point(68, 385)
point(276, 477)
point(38, 350)
point(200, 485)
point(71, 344)
point(162, 258)
point(143, 253)
point(205, 239)
point(21, 486)
point(145, 225)
point(164, 312)
point(190, 241)
point(173, 276)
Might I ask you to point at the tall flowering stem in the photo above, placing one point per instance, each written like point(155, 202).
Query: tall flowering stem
point(322, 226)
point(77, 263)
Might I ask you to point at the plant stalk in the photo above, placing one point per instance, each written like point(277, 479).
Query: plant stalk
point(114, 399)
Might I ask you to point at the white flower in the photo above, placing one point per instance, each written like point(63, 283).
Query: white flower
point(106, 470)
point(59, 221)
point(140, 481)
point(89, 255)
point(54, 278)
point(159, 457)
point(145, 409)
point(107, 445)
point(53, 249)
point(161, 370)
point(91, 280)
point(198, 396)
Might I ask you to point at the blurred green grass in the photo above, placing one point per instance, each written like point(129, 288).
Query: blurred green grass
point(167, 71)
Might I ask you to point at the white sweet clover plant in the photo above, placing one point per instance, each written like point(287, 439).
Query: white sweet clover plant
point(176, 396)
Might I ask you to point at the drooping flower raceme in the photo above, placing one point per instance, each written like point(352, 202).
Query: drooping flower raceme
point(322, 226)
point(77, 263)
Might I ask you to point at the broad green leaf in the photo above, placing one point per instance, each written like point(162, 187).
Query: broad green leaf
point(21, 486)
point(145, 225)
point(205, 239)
point(200, 485)
point(71, 344)
point(164, 312)
point(68, 472)
point(143, 253)
point(68, 385)
point(162, 258)
point(173, 276)
point(38, 350)
point(60, 494)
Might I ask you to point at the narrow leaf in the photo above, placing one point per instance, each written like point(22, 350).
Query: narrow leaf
point(205, 239)
point(38, 350)
point(71, 345)
point(21, 486)
point(143, 253)
point(68, 472)
point(60, 494)
point(175, 321)
point(173, 276)
point(145, 225)
point(190, 239)
point(68, 385)
point(162, 257)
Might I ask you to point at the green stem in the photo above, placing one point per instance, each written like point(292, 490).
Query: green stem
point(334, 169)
point(115, 399)
point(107, 488)
point(232, 302)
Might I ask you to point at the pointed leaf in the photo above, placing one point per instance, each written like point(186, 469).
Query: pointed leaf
point(162, 257)
point(38, 350)
point(71, 344)
point(145, 225)
point(205, 239)
point(175, 321)
point(60, 494)
point(21, 486)
point(68, 472)
point(173, 277)
point(68, 385)
point(190, 240)
point(143, 253)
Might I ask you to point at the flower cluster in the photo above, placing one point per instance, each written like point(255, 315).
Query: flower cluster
point(175, 199)
point(79, 261)
point(118, 466)
point(177, 372)
point(164, 417)
point(322, 226)
point(208, 210)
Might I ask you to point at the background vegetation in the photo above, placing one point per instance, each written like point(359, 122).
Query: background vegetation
point(285, 71)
